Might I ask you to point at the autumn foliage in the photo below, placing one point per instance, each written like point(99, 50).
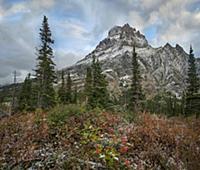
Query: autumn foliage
point(99, 140)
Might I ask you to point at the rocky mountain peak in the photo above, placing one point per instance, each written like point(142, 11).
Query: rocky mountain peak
point(117, 30)
point(118, 37)
point(163, 68)
point(128, 35)
point(167, 46)
point(179, 48)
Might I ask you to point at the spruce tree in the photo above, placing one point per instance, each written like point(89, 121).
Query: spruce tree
point(97, 90)
point(136, 88)
point(88, 85)
point(2, 95)
point(99, 86)
point(69, 89)
point(25, 101)
point(192, 92)
point(45, 69)
point(62, 90)
point(192, 79)
point(75, 95)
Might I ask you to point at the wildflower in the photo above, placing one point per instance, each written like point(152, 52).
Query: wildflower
point(124, 149)
point(98, 151)
point(127, 162)
point(111, 130)
point(121, 129)
point(124, 140)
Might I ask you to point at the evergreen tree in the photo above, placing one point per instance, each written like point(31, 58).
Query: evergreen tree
point(164, 102)
point(25, 101)
point(62, 90)
point(97, 90)
point(99, 86)
point(88, 85)
point(192, 79)
point(69, 89)
point(136, 88)
point(2, 96)
point(183, 104)
point(45, 70)
point(75, 95)
point(192, 104)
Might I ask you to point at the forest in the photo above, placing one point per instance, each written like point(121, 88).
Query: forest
point(51, 125)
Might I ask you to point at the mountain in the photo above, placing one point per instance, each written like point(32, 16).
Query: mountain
point(162, 69)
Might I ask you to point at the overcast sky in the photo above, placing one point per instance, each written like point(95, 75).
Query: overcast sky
point(78, 26)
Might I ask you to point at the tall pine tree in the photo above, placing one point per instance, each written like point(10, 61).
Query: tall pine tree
point(96, 86)
point(62, 90)
point(136, 88)
point(88, 85)
point(192, 79)
point(45, 69)
point(75, 95)
point(192, 92)
point(99, 86)
point(69, 89)
point(25, 100)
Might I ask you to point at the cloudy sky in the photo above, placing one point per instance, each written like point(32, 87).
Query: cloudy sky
point(78, 25)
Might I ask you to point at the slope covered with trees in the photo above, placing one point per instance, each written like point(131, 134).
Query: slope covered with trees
point(64, 126)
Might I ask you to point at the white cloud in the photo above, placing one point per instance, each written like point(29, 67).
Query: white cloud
point(79, 25)
point(65, 58)
point(136, 20)
point(73, 29)
point(41, 4)
point(18, 8)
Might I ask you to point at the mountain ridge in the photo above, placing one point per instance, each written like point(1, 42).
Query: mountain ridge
point(163, 68)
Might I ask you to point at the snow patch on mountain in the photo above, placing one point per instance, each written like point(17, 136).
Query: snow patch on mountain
point(162, 69)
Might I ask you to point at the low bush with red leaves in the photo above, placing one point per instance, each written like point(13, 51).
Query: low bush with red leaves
point(99, 140)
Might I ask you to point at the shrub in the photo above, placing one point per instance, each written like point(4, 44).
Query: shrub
point(131, 116)
point(58, 115)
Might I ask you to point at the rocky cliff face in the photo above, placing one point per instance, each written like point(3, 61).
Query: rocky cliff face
point(162, 69)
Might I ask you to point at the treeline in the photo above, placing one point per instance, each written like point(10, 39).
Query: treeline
point(39, 92)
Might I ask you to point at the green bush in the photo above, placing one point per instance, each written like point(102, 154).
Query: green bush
point(59, 114)
point(131, 116)
point(37, 119)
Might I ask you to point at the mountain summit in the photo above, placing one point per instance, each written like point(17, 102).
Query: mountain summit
point(162, 69)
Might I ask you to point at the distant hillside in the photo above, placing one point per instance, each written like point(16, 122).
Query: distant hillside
point(8, 89)
point(163, 68)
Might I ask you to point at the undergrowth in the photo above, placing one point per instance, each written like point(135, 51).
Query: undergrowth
point(70, 137)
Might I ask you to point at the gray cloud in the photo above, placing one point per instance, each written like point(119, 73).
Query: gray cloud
point(78, 25)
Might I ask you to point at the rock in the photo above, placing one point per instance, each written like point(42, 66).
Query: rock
point(162, 69)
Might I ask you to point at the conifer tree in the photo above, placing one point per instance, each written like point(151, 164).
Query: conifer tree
point(25, 101)
point(97, 90)
point(88, 85)
point(45, 69)
point(75, 95)
point(62, 90)
point(192, 79)
point(136, 88)
point(69, 89)
point(100, 92)
point(192, 104)
point(2, 96)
